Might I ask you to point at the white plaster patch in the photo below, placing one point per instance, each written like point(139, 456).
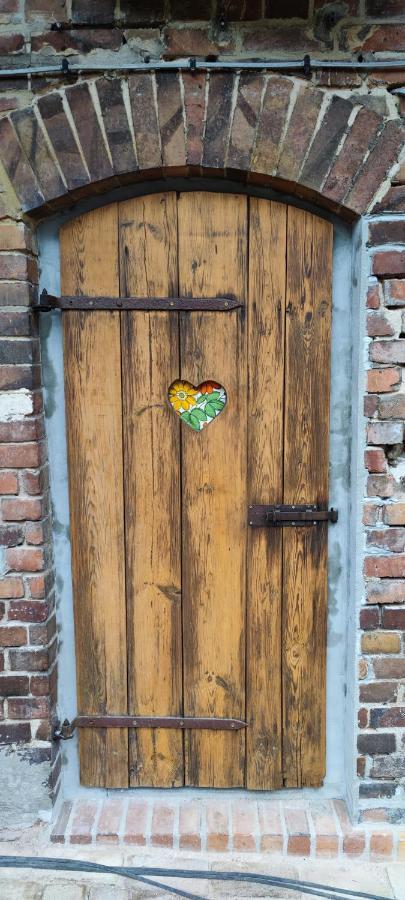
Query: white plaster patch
point(14, 404)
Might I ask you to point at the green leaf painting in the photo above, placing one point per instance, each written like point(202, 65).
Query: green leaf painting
point(197, 406)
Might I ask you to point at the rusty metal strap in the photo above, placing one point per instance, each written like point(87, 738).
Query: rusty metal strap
point(48, 302)
point(65, 730)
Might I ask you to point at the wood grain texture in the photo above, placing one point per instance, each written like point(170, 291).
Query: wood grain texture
point(212, 260)
point(266, 318)
point(306, 446)
point(150, 362)
point(89, 255)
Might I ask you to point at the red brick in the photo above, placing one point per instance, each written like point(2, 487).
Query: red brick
point(376, 744)
point(28, 708)
point(37, 587)
point(135, 826)
point(15, 432)
point(271, 126)
point(194, 86)
point(81, 40)
point(371, 513)
point(34, 534)
point(116, 124)
point(389, 539)
point(170, 115)
point(354, 843)
point(162, 825)
point(392, 407)
point(374, 297)
point(190, 826)
point(218, 121)
point(244, 824)
point(394, 514)
point(39, 685)
point(383, 380)
point(360, 139)
point(62, 138)
point(245, 118)
point(11, 588)
point(380, 486)
point(386, 592)
point(300, 131)
point(382, 156)
point(379, 326)
point(370, 406)
point(29, 660)
point(93, 12)
point(217, 825)
point(8, 483)
point(28, 611)
point(11, 43)
point(19, 456)
point(21, 560)
point(386, 232)
point(193, 41)
point(89, 131)
point(381, 845)
point(299, 840)
point(18, 169)
point(369, 618)
point(14, 685)
point(388, 263)
point(393, 618)
point(391, 717)
point(83, 822)
point(15, 324)
point(17, 732)
point(271, 829)
point(389, 668)
point(375, 460)
point(109, 820)
point(385, 433)
point(394, 292)
point(13, 636)
point(21, 510)
point(385, 37)
point(379, 692)
point(362, 719)
point(384, 566)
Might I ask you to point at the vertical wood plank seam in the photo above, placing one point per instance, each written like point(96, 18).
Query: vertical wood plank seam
point(122, 289)
point(183, 735)
point(282, 499)
point(248, 476)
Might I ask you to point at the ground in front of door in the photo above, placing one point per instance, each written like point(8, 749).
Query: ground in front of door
point(374, 878)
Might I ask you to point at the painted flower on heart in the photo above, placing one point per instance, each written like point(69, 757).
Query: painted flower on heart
point(209, 386)
point(182, 396)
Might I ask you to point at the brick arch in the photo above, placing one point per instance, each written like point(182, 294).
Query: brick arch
point(267, 129)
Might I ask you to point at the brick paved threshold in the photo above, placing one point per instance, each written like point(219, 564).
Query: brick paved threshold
point(319, 829)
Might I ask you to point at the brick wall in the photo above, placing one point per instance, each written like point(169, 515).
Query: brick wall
point(334, 139)
point(381, 740)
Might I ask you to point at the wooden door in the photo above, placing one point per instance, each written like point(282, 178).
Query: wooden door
point(181, 608)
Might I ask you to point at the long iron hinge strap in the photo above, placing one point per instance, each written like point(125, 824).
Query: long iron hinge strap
point(66, 730)
point(48, 302)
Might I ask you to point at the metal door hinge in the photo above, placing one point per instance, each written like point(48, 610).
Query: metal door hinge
point(276, 516)
point(65, 731)
point(47, 302)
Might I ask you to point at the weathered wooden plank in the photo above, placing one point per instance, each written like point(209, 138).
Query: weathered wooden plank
point(308, 331)
point(89, 264)
point(266, 317)
point(212, 259)
point(150, 362)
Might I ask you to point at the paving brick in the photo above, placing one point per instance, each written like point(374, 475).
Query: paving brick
point(136, 822)
point(380, 845)
point(271, 830)
point(83, 822)
point(299, 839)
point(162, 825)
point(109, 821)
point(244, 825)
point(190, 826)
point(217, 825)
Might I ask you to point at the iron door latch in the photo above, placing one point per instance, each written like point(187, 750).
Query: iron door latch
point(293, 515)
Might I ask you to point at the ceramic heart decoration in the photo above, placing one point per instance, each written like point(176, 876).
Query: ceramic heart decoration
point(197, 406)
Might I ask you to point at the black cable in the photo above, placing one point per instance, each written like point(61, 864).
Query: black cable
point(143, 873)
